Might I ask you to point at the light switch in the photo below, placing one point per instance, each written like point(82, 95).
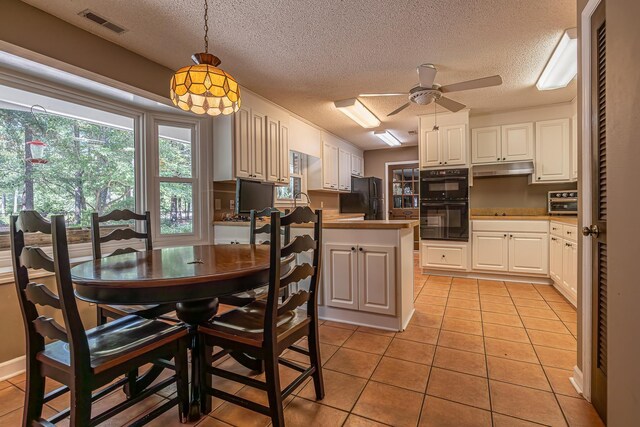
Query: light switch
point(232, 204)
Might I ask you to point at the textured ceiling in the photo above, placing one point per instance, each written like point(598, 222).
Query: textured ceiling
point(304, 54)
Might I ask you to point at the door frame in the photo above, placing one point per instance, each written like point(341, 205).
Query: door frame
point(581, 379)
point(385, 184)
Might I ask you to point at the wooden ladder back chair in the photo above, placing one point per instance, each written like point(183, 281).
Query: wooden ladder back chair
point(265, 329)
point(84, 361)
point(247, 297)
point(105, 311)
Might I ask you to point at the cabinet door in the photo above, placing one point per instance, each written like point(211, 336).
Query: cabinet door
point(529, 253)
point(340, 277)
point(517, 142)
point(284, 154)
point(454, 144)
point(486, 145)
point(273, 150)
point(490, 251)
point(574, 148)
point(242, 142)
point(344, 170)
point(377, 279)
point(553, 150)
point(356, 165)
point(430, 154)
point(555, 259)
point(330, 163)
point(258, 146)
point(570, 267)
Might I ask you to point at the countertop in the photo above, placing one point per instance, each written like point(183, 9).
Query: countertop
point(352, 224)
point(566, 219)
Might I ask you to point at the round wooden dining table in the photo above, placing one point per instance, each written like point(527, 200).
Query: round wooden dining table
point(192, 277)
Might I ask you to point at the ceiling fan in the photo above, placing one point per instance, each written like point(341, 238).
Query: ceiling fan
point(427, 91)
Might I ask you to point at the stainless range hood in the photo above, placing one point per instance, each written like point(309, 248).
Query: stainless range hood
point(503, 169)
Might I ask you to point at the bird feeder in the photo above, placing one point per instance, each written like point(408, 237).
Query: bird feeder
point(37, 149)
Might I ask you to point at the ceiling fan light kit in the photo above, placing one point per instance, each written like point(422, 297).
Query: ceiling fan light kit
point(357, 112)
point(387, 137)
point(204, 88)
point(562, 66)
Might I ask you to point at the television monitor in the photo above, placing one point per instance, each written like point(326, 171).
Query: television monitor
point(253, 195)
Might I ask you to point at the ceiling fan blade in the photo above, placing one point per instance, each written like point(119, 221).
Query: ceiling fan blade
point(427, 74)
point(450, 104)
point(364, 95)
point(473, 84)
point(397, 110)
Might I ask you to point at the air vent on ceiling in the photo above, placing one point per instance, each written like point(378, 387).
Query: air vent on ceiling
point(92, 16)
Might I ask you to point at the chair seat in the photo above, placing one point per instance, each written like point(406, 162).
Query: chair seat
point(149, 311)
point(116, 342)
point(246, 324)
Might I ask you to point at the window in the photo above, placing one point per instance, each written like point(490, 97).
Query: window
point(297, 180)
point(58, 157)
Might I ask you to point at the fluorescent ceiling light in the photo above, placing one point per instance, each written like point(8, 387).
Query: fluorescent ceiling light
point(387, 137)
point(357, 112)
point(563, 64)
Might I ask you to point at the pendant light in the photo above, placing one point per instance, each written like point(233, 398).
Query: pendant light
point(204, 88)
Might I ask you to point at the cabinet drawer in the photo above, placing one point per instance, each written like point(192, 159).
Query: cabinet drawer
point(442, 256)
point(555, 228)
point(510, 226)
point(570, 232)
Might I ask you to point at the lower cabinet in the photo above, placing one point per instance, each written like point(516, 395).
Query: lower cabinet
point(563, 259)
point(490, 251)
point(360, 277)
point(444, 256)
point(556, 249)
point(570, 267)
point(529, 253)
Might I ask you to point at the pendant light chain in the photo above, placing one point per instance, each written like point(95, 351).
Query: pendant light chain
point(206, 26)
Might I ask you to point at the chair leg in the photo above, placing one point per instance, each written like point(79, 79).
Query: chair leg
point(314, 356)
point(101, 319)
point(80, 405)
point(131, 388)
point(34, 396)
point(272, 375)
point(206, 380)
point(182, 379)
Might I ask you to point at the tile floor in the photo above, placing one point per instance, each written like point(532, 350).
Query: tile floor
point(476, 353)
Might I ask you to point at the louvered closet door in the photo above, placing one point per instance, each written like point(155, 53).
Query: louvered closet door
point(599, 211)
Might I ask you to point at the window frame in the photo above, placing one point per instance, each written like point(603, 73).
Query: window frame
point(303, 182)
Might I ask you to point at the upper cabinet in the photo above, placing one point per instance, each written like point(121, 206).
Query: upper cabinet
point(277, 152)
point(333, 171)
point(507, 143)
point(330, 170)
point(553, 151)
point(344, 170)
point(357, 165)
point(447, 146)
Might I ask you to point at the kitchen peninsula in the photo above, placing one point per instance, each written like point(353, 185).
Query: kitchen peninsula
point(367, 273)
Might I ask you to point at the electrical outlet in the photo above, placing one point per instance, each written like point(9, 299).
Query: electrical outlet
point(321, 205)
point(217, 205)
point(232, 205)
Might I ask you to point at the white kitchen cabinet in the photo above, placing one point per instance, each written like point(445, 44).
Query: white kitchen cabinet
point(490, 250)
point(445, 147)
point(357, 165)
point(506, 143)
point(285, 172)
point(444, 255)
point(486, 145)
point(243, 143)
point(277, 152)
point(529, 253)
point(517, 142)
point(360, 277)
point(574, 148)
point(376, 279)
point(330, 161)
point(553, 151)
point(341, 276)
point(556, 246)
point(570, 268)
point(344, 170)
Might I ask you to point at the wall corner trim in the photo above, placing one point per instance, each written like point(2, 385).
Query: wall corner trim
point(12, 367)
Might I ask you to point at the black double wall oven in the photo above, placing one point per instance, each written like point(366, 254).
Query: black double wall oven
point(444, 204)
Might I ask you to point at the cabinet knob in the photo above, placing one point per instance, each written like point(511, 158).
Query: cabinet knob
point(504, 158)
point(361, 250)
point(440, 162)
point(445, 163)
point(444, 256)
point(538, 178)
point(353, 248)
point(505, 235)
point(498, 158)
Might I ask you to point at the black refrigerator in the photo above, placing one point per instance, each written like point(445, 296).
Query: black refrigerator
point(366, 197)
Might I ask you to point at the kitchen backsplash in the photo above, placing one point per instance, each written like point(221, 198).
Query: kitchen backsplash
point(512, 192)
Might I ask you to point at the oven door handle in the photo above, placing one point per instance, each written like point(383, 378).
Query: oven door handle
point(444, 203)
point(449, 178)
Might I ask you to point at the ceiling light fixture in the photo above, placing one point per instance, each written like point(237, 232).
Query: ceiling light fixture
point(356, 111)
point(562, 67)
point(204, 88)
point(387, 137)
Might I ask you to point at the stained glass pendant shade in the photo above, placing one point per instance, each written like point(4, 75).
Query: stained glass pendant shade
point(204, 88)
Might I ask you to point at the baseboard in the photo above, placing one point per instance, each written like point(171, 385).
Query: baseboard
point(566, 294)
point(576, 380)
point(12, 367)
point(489, 276)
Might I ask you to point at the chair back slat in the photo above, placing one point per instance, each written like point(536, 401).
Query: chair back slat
point(47, 327)
point(125, 233)
point(122, 251)
point(36, 259)
point(300, 244)
point(122, 215)
point(263, 230)
point(31, 295)
point(293, 302)
point(255, 230)
point(296, 274)
point(39, 294)
point(299, 216)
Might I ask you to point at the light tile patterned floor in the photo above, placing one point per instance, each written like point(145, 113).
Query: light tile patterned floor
point(476, 353)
